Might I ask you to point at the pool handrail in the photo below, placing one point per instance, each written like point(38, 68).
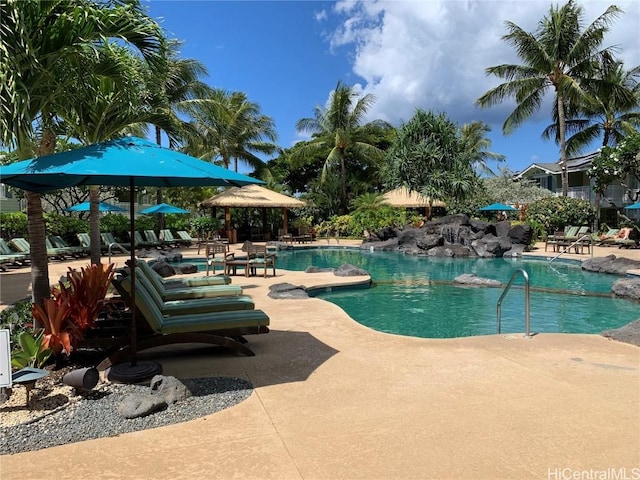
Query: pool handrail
point(527, 318)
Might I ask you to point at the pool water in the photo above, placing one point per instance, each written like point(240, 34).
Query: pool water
point(414, 296)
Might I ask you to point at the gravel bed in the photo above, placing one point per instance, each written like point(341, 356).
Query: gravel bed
point(95, 416)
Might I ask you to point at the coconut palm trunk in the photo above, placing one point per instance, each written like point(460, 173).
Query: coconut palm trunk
point(562, 129)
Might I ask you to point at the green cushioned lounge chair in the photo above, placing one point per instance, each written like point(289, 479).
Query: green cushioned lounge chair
point(180, 282)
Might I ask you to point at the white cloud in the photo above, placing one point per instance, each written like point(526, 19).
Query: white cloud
point(433, 54)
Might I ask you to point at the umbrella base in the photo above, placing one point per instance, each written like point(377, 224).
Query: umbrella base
point(138, 373)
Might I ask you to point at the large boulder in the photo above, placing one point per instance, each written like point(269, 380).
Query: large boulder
point(610, 264)
point(491, 246)
point(140, 405)
point(629, 333)
point(163, 268)
point(348, 270)
point(502, 228)
point(520, 234)
point(287, 290)
point(483, 227)
point(627, 288)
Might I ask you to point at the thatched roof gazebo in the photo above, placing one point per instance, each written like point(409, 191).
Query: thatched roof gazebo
point(403, 198)
point(252, 196)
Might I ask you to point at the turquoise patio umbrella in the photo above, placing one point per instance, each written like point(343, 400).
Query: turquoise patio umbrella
point(123, 162)
point(163, 208)
point(635, 206)
point(498, 207)
point(102, 207)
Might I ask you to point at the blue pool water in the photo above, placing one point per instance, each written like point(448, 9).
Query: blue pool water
point(414, 295)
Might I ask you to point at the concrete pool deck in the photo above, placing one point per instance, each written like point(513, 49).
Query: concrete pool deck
point(334, 399)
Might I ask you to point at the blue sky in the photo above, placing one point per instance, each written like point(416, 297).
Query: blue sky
point(288, 56)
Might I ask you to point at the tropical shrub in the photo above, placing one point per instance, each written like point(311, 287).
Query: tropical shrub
point(66, 227)
point(13, 224)
point(117, 224)
point(177, 221)
point(203, 226)
point(32, 352)
point(16, 318)
point(73, 308)
point(554, 213)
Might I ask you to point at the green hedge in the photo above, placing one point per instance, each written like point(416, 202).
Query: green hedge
point(555, 213)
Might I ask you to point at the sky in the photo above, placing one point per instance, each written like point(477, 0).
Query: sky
point(287, 56)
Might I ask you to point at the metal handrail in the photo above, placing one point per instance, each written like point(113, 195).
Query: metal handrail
point(566, 249)
point(527, 319)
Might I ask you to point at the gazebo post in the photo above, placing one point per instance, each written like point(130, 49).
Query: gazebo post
point(285, 221)
point(264, 222)
point(227, 222)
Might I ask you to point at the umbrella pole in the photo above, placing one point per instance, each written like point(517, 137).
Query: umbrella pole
point(134, 371)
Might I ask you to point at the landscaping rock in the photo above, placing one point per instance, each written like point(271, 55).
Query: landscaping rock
point(520, 234)
point(170, 389)
point(610, 264)
point(473, 279)
point(314, 269)
point(287, 290)
point(627, 288)
point(450, 251)
point(186, 268)
point(140, 405)
point(163, 269)
point(629, 333)
point(347, 270)
point(491, 246)
point(516, 250)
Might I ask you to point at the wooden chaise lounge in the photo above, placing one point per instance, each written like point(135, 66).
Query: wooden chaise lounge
point(221, 327)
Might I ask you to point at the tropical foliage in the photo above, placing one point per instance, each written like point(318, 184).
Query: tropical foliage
point(554, 213)
point(430, 156)
point(340, 136)
point(560, 56)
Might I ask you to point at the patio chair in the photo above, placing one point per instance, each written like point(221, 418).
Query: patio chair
point(260, 256)
point(181, 282)
point(60, 242)
point(184, 235)
point(222, 328)
point(217, 255)
point(109, 240)
point(624, 238)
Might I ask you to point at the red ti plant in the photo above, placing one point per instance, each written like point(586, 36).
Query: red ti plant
point(74, 308)
point(53, 316)
point(87, 292)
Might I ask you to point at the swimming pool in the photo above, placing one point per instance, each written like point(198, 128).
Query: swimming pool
point(414, 296)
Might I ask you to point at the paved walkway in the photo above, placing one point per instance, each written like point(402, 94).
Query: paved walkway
point(334, 400)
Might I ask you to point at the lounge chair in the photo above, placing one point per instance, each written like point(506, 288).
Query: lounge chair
point(11, 257)
point(109, 240)
point(624, 238)
point(142, 243)
point(181, 307)
point(151, 237)
point(185, 293)
point(184, 235)
point(23, 246)
point(85, 241)
point(608, 238)
point(223, 328)
point(64, 251)
point(167, 237)
point(76, 251)
point(260, 257)
point(184, 282)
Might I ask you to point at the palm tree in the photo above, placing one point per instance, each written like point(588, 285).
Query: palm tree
point(474, 137)
point(107, 108)
point(36, 37)
point(172, 87)
point(612, 111)
point(230, 129)
point(561, 56)
point(339, 126)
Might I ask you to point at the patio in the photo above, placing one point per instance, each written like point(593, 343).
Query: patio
point(334, 399)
